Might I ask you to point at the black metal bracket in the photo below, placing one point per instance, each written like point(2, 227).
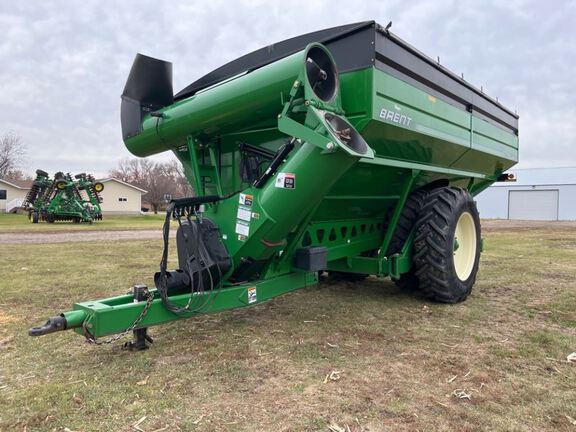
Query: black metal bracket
point(141, 340)
point(281, 154)
point(256, 151)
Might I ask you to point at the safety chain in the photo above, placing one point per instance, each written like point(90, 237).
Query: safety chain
point(92, 340)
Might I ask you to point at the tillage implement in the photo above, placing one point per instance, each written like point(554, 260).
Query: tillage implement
point(344, 151)
point(63, 198)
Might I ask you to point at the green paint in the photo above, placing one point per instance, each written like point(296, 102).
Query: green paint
point(115, 314)
point(64, 199)
point(339, 197)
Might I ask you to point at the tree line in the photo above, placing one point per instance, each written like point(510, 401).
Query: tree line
point(157, 178)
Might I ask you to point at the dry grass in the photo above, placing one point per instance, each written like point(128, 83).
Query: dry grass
point(401, 361)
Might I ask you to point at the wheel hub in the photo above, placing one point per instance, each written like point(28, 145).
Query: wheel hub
point(465, 244)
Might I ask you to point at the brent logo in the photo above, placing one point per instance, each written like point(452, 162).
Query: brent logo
point(395, 116)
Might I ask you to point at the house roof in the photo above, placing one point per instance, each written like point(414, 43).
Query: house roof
point(123, 183)
point(18, 184)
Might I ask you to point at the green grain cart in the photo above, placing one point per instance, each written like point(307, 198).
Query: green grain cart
point(344, 151)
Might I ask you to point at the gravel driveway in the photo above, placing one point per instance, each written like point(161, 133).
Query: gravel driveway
point(78, 236)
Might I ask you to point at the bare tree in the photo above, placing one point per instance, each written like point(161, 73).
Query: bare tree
point(12, 153)
point(175, 171)
point(156, 178)
point(123, 171)
point(18, 174)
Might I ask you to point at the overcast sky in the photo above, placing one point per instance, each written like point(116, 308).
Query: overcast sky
point(63, 64)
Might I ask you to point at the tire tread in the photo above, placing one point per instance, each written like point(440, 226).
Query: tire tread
point(431, 243)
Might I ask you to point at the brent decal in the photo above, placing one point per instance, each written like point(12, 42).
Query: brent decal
point(395, 116)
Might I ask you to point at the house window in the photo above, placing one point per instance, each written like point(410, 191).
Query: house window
point(122, 199)
point(2, 194)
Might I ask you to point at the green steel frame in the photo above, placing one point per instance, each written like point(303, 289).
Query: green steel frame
point(345, 212)
point(116, 314)
point(345, 241)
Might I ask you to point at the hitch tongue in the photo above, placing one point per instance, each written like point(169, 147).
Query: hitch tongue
point(54, 324)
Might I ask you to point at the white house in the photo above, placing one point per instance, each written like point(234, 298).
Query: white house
point(12, 193)
point(538, 194)
point(120, 198)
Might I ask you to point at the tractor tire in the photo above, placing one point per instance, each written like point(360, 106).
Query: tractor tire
point(33, 216)
point(41, 173)
point(406, 222)
point(447, 245)
point(50, 218)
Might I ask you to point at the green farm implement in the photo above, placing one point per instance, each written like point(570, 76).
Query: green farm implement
point(344, 152)
point(64, 198)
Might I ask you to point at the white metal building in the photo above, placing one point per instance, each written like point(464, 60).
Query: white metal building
point(538, 194)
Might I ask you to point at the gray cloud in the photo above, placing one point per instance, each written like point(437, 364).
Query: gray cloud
point(64, 63)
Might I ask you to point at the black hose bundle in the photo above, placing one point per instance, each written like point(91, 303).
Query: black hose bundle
point(186, 207)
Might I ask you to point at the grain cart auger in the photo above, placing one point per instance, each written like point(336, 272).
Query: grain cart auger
point(344, 151)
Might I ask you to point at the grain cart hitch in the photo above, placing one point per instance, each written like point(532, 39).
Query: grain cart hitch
point(344, 151)
point(54, 324)
point(201, 255)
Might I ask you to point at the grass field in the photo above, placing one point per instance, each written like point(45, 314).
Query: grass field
point(20, 223)
point(357, 357)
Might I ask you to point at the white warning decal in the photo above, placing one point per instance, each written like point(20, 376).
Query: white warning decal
point(242, 228)
point(244, 213)
point(286, 181)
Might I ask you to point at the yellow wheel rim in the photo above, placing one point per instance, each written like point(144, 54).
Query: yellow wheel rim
point(61, 186)
point(98, 187)
point(465, 245)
